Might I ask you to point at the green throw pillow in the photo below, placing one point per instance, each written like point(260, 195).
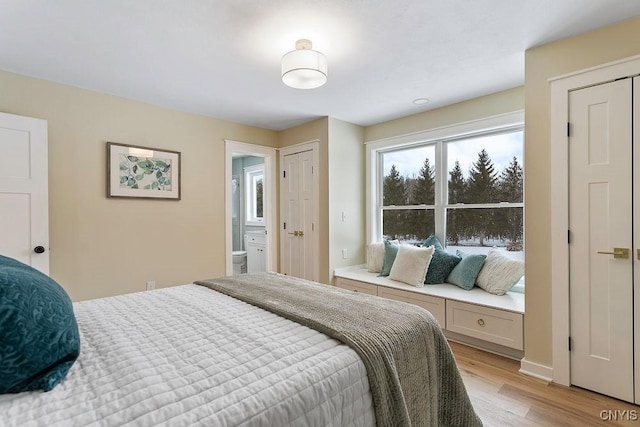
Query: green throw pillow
point(432, 241)
point(465, 273)
point(442, 263)
point(390, 252)
point(39, 338)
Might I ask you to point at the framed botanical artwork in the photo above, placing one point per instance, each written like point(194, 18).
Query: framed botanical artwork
point(142, 172)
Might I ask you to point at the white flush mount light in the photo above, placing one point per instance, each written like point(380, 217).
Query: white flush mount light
point(304, 68)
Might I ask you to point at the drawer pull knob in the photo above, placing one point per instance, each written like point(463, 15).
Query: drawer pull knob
point(481, 322)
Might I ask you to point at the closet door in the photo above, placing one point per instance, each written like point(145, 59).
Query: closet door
point(600, 217)
point(24, 190)
point(297, 212)
point(291, 244)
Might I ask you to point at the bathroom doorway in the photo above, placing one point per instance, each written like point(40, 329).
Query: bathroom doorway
point(250, 208)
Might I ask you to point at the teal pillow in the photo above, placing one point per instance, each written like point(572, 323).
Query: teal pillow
point(442, 262)
point(465, 273)
point(39, 338)
point(390, 252)
point(433, 241)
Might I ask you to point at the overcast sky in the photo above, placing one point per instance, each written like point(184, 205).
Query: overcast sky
point(501, 149)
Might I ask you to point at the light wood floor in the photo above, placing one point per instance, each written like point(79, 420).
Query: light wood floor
point(504, 397)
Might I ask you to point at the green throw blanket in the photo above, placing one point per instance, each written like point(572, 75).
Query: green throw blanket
point(412, 374)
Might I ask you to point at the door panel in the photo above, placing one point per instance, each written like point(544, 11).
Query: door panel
point(306, 215)
point(290, 243)
point(600, 207)
point(297, 193)
point(24, 204)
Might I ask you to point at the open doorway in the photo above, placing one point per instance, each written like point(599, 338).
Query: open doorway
point(250, 206)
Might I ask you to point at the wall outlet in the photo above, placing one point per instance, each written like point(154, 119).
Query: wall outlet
point(344, 254)
point(151, 285)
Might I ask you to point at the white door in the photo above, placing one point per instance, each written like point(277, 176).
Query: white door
point(24, 200)
point(600, 217)
point(297, 213)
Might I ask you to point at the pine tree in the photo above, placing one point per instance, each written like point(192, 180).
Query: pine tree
point(394, 188)
point(482, 187)
point(483, 181)
point(259, 199)
point(424, 189)
point(511, 183)
point(394, 194)
point(510, 187)
point(457, 185)
point(456, 217)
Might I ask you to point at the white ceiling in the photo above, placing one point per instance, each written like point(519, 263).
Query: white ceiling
point(221, 58)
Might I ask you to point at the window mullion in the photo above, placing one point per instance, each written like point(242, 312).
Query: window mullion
point(485, 205)
point(440, 190)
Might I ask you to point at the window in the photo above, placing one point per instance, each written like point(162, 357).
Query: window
point(254, 178)
point(465, 187)
point(408, 193)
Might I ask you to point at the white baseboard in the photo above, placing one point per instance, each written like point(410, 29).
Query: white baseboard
point(536, 370)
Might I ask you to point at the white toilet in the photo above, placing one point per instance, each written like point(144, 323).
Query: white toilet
point(239, 262)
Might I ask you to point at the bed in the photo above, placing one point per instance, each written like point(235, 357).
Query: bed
point(198, 354)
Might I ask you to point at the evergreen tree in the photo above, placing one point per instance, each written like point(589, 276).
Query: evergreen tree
point(456, 217)
point(457, 185)
point(483, 181)
point(394, 194)
point(259, 199)
point(511, 183)
point(393, 190)
point(423, 193)
point(510, 187)
point(424, 189)
point(482, 187)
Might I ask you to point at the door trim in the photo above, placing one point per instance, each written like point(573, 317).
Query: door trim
point(560, 88)
point(636, 237)
point(313, 145)
point(270, 205)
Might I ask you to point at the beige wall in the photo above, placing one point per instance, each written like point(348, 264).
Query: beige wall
point(101, 246)
point(347, 194)
point(485, 106)
point(555, 59)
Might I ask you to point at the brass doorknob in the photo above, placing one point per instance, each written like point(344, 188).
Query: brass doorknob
point(619, 253)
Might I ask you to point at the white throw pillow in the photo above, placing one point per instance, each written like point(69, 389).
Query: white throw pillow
point(411, 264)
point(499, 273)
point(375, 256)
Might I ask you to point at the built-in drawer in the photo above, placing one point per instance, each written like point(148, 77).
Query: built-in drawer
point(256, 238)
point(434, 305)
point(489, 324)
point(355, 286)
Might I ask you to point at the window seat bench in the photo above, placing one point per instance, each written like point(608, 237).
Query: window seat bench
point(476, 317)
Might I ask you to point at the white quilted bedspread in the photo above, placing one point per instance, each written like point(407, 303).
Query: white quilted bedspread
point(187, 356)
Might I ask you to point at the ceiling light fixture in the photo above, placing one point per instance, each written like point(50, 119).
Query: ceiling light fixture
point(420, 101)
point(304, 68)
